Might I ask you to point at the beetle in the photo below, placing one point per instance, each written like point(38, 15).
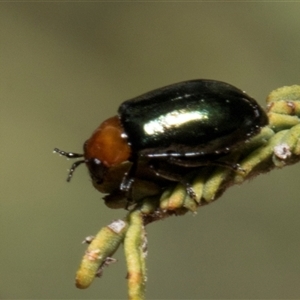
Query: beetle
point(186, 124)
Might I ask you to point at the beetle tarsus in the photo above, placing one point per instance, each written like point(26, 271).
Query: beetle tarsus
point(190, 191)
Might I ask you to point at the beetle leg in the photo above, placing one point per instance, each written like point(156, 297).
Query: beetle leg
point(189, 163)
point(189, 189)
point(128, 180)
point(172, 176)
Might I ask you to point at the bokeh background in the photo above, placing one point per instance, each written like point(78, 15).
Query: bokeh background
point(66, 67)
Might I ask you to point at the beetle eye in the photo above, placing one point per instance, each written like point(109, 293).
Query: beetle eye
point(97, 169)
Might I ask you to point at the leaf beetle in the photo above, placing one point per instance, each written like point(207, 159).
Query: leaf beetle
point(187, 124)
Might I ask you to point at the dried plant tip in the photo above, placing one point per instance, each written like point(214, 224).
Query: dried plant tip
point(282, 151)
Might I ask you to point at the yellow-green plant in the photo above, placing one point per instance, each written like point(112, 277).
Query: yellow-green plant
point(276, 146)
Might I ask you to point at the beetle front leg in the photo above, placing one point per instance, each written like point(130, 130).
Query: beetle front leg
point(128, 180)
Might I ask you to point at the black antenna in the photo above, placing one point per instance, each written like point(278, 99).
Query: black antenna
point(70, 155)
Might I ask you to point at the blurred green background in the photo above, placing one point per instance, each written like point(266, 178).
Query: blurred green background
point(66, 67)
